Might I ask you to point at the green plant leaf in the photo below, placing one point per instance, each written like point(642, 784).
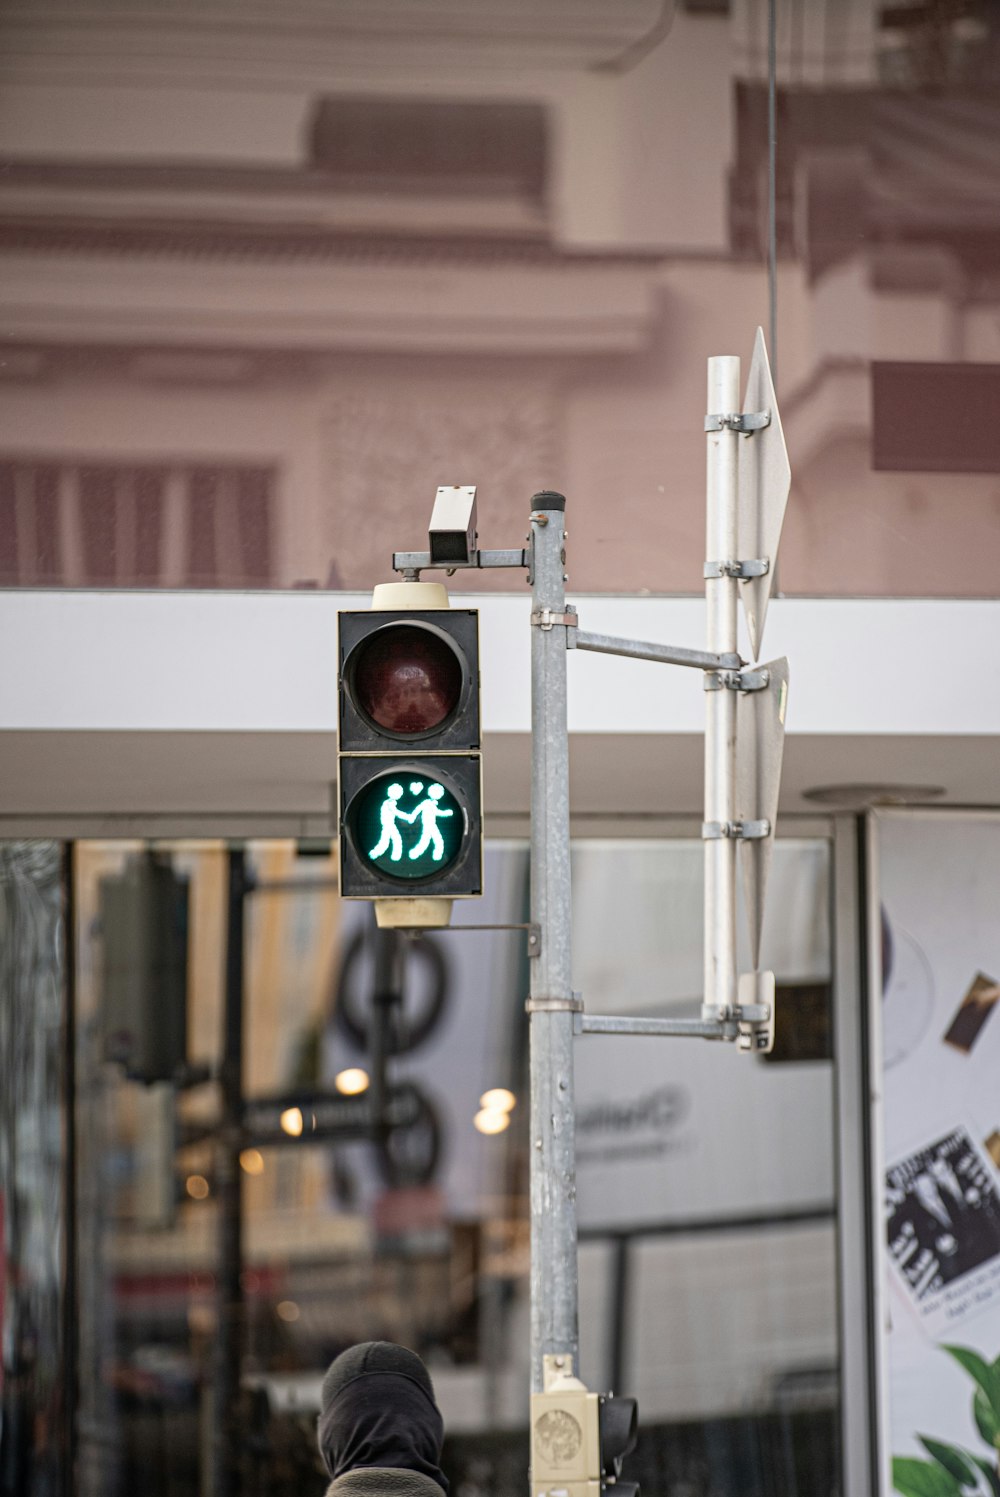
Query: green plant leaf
point(916, 1478)
point(990, 1472)
point(986, 1420)
point(954, 1461)
point(981, 1371)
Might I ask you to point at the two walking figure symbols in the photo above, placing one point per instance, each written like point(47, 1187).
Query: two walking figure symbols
point(428, 812)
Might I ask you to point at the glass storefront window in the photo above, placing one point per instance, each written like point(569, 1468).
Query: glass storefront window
point(705, 1178)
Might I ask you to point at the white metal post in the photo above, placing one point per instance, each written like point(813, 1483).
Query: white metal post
point(554, 1316)
point(720, 704)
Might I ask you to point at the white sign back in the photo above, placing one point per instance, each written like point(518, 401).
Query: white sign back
point(765, 477)
point(760, 743)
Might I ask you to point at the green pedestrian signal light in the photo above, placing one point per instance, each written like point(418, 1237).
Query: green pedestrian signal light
point(410, 795)
point(415, 826)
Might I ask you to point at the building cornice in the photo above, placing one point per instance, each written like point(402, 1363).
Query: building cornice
point(197, 289)
point(264, 243)
point(308, 41)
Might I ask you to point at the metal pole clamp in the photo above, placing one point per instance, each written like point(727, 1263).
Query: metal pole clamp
point(746, 831)
point(544, 618)
point(741, 569)
point(736, 680)
point(571, 1005)
point(741, 421)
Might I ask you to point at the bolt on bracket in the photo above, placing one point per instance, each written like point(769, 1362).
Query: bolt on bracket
point(746, 422)
point(736, 680)
point(746, 831)
point(758, 567)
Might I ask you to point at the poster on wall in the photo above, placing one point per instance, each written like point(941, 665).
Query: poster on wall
point(936, 1050)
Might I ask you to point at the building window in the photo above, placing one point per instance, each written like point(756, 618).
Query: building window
point(89, 524)
point(494, 148)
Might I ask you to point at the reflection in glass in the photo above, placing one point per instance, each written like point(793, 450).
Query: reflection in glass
point(33, 1389)
point(697, 1168)
point(265, 334)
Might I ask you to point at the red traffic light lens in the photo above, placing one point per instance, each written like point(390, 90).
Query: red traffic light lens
point(407, 680)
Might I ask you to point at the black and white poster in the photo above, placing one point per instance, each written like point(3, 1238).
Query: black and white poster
point(936, 1038)
point(942, 1206)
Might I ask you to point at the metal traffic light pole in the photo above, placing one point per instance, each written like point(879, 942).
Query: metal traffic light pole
point(552, 1006)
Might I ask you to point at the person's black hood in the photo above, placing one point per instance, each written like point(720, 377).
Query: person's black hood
point(377, 1409)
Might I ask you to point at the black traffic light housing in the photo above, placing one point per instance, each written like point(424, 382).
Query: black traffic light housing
point(362, 781)
point(410, 781)
point(441, 643)
point(143, 917)
point(618, 1431)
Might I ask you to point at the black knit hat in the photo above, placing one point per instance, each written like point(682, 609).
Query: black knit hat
point(377, 1409)
point(373, 1356)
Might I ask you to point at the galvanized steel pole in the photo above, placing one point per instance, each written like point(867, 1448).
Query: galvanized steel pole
point(554, 1318)
point(720, 705)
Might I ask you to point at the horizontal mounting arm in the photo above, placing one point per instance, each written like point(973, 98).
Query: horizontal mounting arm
point(707, 1029)
point(638, 649)
point(420, 561)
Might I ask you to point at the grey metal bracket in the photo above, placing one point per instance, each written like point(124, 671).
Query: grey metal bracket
point(640, 649)
point(757, 1009)
point(752, 1013)
point(758, 567)
point(704, 1029)
point(723, 1028)
point(571, 1005)
point(736, 680)
point(726, 1027)
point(412, 563)
point(531, 926)
point(741, 421)
point(745, 831)
point(544, 618)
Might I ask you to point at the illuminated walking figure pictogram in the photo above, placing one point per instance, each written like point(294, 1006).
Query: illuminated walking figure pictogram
point(430, 812)
point(389, 813)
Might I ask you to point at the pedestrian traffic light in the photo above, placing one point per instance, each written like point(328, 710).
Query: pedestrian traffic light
point(143, 919)
point(579, 1440)
point(410, 793)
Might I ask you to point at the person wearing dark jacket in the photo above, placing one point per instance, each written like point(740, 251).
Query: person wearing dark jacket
point(380, 1430)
